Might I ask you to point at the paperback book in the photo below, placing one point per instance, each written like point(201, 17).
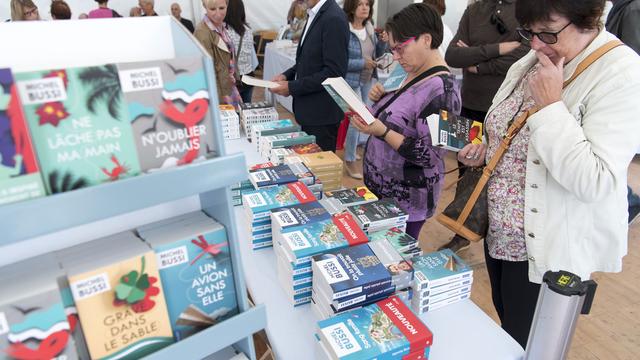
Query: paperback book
point(439, 268)
point(296, 215)
point(385, 212)
point(79, 126)
point(453, 132)
point(346, 98)
point(400, 269)
point(386, 329)
point(168, 109)
point(338, 200)
point(396, 78)
point(400, 240)
point(272, 176)
point(20, 177)
point(259, 203)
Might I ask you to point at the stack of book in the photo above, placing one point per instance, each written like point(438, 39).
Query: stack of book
point(268, 143)
point(256, 113)
point(441, 278)
point(405, 244)
point(196, 271)
point(338, 200)
point(119, 297)
point(259, 203)
point(271, 128)
point(281, 174)
point(326, 165)
point(348, 278)
point(297, 244)
point(384, 330)
point(230, 122)
point(33, 322)
point(238, 189)
point(317, 189)
point(278, 155)
point(379, 215)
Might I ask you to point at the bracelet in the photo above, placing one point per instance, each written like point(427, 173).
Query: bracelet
point(384, 135)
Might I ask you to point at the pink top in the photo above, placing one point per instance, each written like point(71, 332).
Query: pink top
point(101, 13)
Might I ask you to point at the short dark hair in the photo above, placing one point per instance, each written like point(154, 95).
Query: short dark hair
point(236, 17)
point(60, 10)
point(438, 4)
point(350, 7)
point(415, 20)
point(584, 14)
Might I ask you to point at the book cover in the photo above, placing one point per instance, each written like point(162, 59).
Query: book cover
point(283, 140)
point(386, 329)
point(197, 276)
point(272, 176)
point(323, 161)
point(256, 105)
point(301, 214)
point(346, 98)
point(351, 301)
point(168, 103)
point(79, 126)
point(122, 308)
point(400, 269)
point(453, 132)
point(438, 268)
point(396, 78)
point(400, 240)
point(20, 177)
point(424, 301)
point(259, 203)
point(380, 212)
point(36, 327)
point(302, 242)
point(338, 200)
point(348, 271)
point(310, 148)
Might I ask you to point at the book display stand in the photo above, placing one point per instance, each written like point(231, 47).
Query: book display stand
point(29, 46)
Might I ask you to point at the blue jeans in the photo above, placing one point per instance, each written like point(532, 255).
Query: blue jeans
point(355, 137)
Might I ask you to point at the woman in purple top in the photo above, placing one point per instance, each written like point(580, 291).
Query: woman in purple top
point(400, 161)
point(103, 11)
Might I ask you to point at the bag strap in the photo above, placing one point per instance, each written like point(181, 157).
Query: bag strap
point(422, 76)
point(239, 47)
point(519, 124)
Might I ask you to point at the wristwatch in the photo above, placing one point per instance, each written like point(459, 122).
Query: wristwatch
point(384, 134)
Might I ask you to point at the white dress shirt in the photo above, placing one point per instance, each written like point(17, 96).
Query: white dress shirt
point(312, 15)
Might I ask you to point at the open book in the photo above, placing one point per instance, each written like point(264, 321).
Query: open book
point(346, 98)
point(452, 131)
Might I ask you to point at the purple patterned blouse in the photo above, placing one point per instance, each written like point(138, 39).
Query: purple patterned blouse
point(413, 174)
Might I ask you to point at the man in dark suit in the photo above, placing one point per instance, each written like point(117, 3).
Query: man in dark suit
point(322, 53)
point(176, 11)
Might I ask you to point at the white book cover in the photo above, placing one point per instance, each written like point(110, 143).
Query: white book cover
point(346, 98)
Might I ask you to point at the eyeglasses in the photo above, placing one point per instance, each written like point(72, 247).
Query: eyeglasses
point(399, 49)
point(500, 26)
point(544, 36)
point(385, 61)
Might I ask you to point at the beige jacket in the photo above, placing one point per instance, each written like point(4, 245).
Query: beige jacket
point(579, 152)
point(221, 56)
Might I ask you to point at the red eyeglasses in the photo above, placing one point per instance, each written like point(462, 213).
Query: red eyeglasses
point(399, 49)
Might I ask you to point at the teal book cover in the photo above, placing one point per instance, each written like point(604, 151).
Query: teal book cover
point(36, 327)
point(438, 268)
point(169, 110)
point(197, 275)
point(387, 329)
point(19, 173)
point(78, 122)
point(400, 240)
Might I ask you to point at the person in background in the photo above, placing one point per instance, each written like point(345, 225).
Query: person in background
point(245, 51)
point(296, 18)
point(623, 21)
point(103, 11)
point(212, 33)
point(60, 10)
point(400, 161)
point(364, 48)
point(447, 34)
point(176, 11)
point(135, 12)
point(485, 46)
point(83, 16)
point(322, 53)
point(147, 7)
point(556, 200)
point(24, 10)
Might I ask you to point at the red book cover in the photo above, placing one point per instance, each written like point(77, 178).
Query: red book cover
point(416, 332)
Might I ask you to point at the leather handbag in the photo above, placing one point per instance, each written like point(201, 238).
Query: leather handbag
point(468, 213)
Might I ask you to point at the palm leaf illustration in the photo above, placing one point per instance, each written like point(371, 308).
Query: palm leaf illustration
point(104, 88)
point(61, 183)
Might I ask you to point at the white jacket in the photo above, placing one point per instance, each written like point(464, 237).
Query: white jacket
point(579, 152)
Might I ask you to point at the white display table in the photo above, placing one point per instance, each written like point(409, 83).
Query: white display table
point(276, 61)
point(461, 331)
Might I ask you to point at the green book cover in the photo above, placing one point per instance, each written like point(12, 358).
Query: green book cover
point(78, 122)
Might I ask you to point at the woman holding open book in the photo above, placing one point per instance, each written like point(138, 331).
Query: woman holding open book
point(557, 199)
point(399, 160)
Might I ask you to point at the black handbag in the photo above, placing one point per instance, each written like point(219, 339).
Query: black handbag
point(468, 213)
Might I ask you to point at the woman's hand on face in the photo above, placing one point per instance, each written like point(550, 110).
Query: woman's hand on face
point(473, 155)
point(546, 84)
point(376, 92)
point(377, 128)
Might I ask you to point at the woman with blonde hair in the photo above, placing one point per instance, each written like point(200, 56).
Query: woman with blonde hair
point(24, 10)
point(212, 33)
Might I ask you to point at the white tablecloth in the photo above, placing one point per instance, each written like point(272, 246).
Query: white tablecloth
point(276, 61)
